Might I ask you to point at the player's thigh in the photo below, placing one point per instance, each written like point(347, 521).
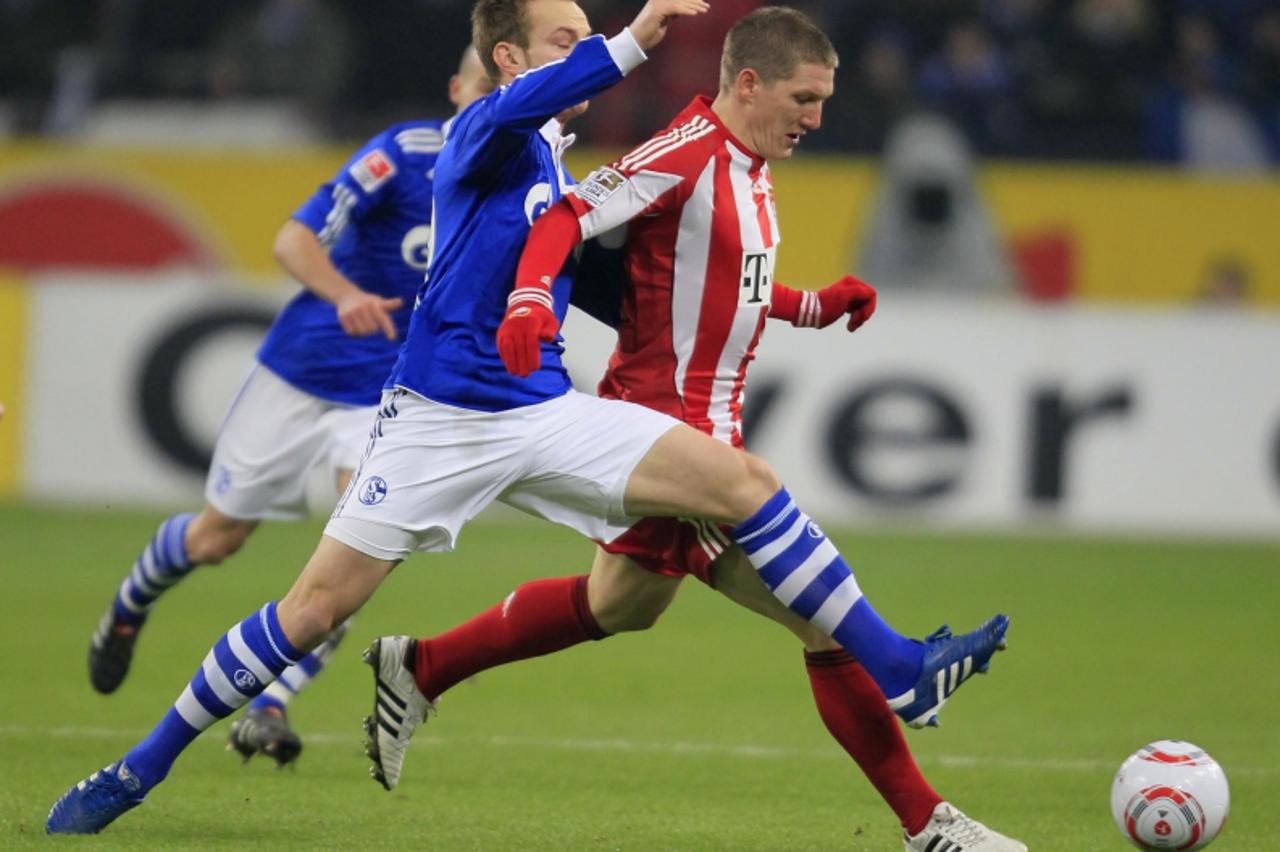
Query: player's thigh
point(687, 473)
point(336, 582)
point(624, 596)
point(271, 437)
point(738, 581)
point(582, 451)
point(427, 470)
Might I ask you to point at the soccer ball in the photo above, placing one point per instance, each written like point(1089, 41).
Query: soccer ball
point(1170, 795)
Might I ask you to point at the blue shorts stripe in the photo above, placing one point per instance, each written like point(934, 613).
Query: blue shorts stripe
point(808, 602)
point(208, 699)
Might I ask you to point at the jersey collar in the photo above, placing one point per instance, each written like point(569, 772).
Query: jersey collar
point(701, 105)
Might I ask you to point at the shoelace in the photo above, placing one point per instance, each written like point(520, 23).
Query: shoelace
point(97, 782)
point(961, 828)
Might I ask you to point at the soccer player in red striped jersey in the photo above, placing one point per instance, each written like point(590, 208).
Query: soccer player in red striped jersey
point(702, 238)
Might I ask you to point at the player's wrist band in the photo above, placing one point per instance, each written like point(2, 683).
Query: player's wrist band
point(531, 294)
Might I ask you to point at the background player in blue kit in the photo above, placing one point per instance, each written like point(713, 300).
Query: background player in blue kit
point(456, 431)
point(359, 247)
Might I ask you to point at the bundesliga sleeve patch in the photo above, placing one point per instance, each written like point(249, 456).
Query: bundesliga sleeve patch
point(599, 185)
point(373, 170)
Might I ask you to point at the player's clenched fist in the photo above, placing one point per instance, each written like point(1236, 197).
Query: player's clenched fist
point(528, 324)
point(650, 26)
point(362, 314)
point(807, 309)
point(850, 296)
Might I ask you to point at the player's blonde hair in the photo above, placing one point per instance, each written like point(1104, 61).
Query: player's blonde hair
point(494, 21)
point(772, 41)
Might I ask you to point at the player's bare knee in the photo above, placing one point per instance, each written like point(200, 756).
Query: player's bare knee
point(754, 486)
point(307, 617)
point(629, 616)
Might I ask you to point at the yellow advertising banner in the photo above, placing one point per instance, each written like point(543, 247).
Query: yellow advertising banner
point(1061, 232)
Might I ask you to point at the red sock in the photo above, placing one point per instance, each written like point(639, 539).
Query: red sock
point(537, 618)
point(857, 715)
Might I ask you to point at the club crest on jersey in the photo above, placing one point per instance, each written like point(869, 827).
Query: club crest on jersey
point(755, 287)
point(415, 248)
point(537, 200)
point(373, 490)
point(373, 170)
point(599, 185)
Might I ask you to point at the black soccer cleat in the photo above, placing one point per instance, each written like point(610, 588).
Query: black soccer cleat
point(111, 651)
point(263, 731)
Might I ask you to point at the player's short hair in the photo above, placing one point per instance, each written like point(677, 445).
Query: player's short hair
point(772, 41)
point(494, 21)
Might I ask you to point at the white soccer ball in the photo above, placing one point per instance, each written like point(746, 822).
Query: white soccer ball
point(1170, 794)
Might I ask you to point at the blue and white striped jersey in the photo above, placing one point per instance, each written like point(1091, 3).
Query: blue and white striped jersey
point(500, 170)
point(375, 219)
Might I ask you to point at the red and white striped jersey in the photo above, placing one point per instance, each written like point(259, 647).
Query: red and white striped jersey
point(701, 242)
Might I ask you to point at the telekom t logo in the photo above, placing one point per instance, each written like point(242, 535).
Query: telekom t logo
point(756, 288)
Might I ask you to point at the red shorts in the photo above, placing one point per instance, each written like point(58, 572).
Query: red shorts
point(673, 546)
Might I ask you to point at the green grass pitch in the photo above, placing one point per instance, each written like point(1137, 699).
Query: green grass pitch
point(698, 735)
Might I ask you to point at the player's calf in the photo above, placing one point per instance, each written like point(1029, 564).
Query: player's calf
point(162, 565)
point(803, 569)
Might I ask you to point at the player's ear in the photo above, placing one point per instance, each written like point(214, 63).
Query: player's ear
point(455, 90)
point(747, 85)
point(510, 59)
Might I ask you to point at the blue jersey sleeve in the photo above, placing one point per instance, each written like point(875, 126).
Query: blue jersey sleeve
point(364, 184)
point(495, 126)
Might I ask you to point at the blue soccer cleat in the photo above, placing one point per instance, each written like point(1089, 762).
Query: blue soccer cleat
point(948, 662)
point(95, 802)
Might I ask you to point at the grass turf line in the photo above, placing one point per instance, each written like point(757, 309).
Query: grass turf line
point(697, 735)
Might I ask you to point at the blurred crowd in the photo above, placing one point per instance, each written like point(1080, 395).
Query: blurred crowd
point(1180, 81)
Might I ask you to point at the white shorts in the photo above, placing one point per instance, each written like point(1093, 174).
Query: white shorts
point(430, 468)
point(272, 437)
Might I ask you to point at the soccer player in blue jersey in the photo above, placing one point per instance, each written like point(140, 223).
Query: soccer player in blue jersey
point(359, 247)
point(456, 431)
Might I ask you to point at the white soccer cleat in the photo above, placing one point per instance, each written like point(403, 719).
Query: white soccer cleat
point(398, 708)
point(949, 830)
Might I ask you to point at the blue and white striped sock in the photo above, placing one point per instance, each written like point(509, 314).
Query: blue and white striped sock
point(241, 664)
point(803, 570)
point(294, 679)
point(161, 566)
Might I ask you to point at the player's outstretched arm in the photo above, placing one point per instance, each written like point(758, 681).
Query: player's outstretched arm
point(819, 309)
point(650, 26)
point(298, 250)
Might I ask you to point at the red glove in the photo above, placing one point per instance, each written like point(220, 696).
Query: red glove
point(809, 309)
point(528, 324)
